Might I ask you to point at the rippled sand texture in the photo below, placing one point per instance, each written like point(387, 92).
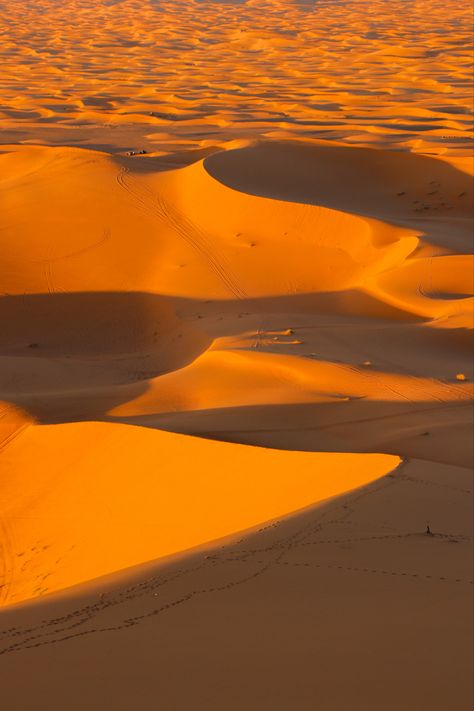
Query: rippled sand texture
point(235, 370)
point(189, 74)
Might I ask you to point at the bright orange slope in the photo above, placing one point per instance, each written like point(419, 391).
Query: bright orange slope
point(82, 500)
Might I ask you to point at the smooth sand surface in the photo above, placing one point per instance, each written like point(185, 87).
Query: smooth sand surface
point(347, 602)
point(236, 370)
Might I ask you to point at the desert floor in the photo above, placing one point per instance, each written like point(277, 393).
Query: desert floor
point(236, 309)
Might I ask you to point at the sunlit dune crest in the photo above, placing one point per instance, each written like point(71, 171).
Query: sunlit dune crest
point(294, 314)
point(236, 400)
point(81, 518)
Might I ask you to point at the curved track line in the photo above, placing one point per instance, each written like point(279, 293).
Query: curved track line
point(155, 206)
point(106, 236)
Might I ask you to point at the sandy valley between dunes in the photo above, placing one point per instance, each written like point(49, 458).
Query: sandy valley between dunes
point(235, 369)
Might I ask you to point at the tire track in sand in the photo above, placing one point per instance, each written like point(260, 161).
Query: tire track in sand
point(156, 206)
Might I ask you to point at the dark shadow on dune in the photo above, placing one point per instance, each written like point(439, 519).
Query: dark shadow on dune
point(86, 323)
point(74, 356)
point(149, 163)
point(353, 425)
point(369, 182)
point(350, 302)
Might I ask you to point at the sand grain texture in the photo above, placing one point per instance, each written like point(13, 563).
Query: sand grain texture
point(236, 370)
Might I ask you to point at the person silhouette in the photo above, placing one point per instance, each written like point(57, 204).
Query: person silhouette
point(428, 530)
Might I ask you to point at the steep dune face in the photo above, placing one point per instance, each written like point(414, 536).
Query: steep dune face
point(105, 497)
point(335, 249)
point(192, 235)
point(413, 206)
point(280, 295)
point(354, 582)
point(375, 183)
point(195, 237)
point(236, 317)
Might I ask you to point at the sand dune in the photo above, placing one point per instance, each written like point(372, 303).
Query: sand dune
point(236, 308)
point(309, 336)
point(398, 75)
point(80, 518)
point(345, 601)
point(211, 325)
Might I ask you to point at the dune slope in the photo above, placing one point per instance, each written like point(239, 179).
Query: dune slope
point(236, 337)
point(105, 497)
point(176, 303)
point(348, 601)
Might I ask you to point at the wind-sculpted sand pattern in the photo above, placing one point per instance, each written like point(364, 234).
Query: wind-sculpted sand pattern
point(341, 544)
point(236, 315)
point(281, 551)
point(156, 320)
point(176, 74)
point(153, 204)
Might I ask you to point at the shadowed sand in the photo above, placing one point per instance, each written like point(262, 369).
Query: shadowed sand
point(344, 601)
point(249, 298)
point(236, 370)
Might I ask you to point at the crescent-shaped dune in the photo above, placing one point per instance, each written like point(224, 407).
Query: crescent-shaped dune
point(236, 317)
point(174, 302)
point(106, 497)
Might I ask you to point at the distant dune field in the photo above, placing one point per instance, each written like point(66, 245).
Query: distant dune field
point(180, 75)
point(236, 309)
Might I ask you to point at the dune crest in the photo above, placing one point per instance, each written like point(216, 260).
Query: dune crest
point(106, 497)
point(249, 297)
point(231, 71)
point(236, 374)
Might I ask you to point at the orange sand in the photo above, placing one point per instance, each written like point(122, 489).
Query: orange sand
point(190, 74)
point(208, 349)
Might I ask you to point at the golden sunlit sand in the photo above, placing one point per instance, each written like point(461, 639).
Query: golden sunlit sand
point(236, 307)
